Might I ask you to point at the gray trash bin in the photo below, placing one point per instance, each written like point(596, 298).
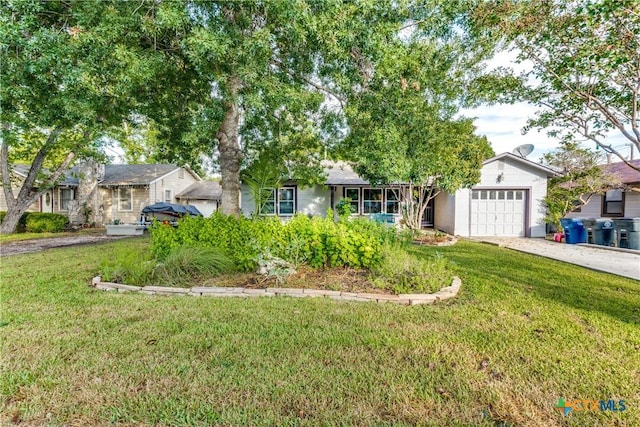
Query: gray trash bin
point(628, 233)
point(603, 232)
point(589, 224)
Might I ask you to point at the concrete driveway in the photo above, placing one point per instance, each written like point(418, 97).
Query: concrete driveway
point(622, 262)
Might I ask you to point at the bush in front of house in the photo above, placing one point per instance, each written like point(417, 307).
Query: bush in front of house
point(41, 222)
point(319, 242)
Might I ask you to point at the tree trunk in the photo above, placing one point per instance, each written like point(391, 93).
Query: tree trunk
point(28, 193)
point(230, 152)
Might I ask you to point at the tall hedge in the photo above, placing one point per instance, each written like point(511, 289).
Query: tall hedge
point(316, 241)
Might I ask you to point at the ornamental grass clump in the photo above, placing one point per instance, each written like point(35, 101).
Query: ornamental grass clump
point(187, 264)
point(404, 273)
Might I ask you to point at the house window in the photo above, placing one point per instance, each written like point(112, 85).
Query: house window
point(269, 207)
point(613, 203)
point(372, 200)
point(354, 195)
point(393, 203)
point(125, 199)
point(281, 202)
point(286, 201)
point(167, 196)
point(66, 196)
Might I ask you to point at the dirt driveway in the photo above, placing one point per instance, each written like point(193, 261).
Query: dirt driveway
point(36, 245)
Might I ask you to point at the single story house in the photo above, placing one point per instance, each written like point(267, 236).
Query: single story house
point(618, 202)
point(204, 195)
point(105, 193)
point(506, 202)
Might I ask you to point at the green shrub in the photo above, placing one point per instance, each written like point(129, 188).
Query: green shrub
point(319, 242)
point(186, 264)
point(128, 266)
point(403, 273)
point(40, 222)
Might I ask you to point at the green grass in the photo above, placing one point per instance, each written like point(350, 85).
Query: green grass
point(19, 237)
point(523, 332)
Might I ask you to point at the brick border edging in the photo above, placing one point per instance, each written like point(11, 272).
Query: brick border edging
point(445, 293)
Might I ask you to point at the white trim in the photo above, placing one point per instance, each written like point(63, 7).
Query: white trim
point(164, 195)
point(511, 156)
point(359, 190)
point(293, 200)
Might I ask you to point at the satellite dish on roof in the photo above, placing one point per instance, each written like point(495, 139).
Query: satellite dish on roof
point(523, 150)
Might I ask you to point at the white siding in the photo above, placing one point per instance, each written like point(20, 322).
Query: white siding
point(314, 200)
point(445, 211)
point(171, 182)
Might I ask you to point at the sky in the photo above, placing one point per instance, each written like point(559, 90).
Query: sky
point(503, 124)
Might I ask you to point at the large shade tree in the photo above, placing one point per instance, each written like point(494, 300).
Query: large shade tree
point(271, 66)
point(70, 70)
point(585, 57)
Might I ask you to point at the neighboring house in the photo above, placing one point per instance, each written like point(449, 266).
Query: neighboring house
point(110, 192)
point(506, 202)
point(616, 203)
point(204, 195)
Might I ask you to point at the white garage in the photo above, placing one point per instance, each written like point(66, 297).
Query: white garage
point(506, 202)
point(498, 213)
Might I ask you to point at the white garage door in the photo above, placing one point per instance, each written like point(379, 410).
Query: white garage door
point(498, 212)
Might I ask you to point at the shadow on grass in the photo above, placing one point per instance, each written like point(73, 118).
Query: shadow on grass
point(574, 286)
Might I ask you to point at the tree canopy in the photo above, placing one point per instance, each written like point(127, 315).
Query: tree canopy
point(585, 57)
point(580, 178)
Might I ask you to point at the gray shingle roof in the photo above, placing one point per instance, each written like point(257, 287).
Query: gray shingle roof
point(134, 174)
point(341, 173)
point(67, 179)
point(202, 190)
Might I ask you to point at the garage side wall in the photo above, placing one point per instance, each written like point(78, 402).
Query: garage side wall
point(444, 213)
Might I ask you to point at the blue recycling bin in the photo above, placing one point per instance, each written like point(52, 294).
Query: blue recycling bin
point(603, 232)
point(574, 231)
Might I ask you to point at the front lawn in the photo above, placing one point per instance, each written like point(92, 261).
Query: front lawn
point(524, 332)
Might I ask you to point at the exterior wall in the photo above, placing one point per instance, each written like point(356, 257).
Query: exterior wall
point(632, 204)
point(314, 200)
point(206, 207)
point(593, 209)
point(171, 182)
point(444, 215)
point(506, 173)
point(111, 209)
point(311, 200)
